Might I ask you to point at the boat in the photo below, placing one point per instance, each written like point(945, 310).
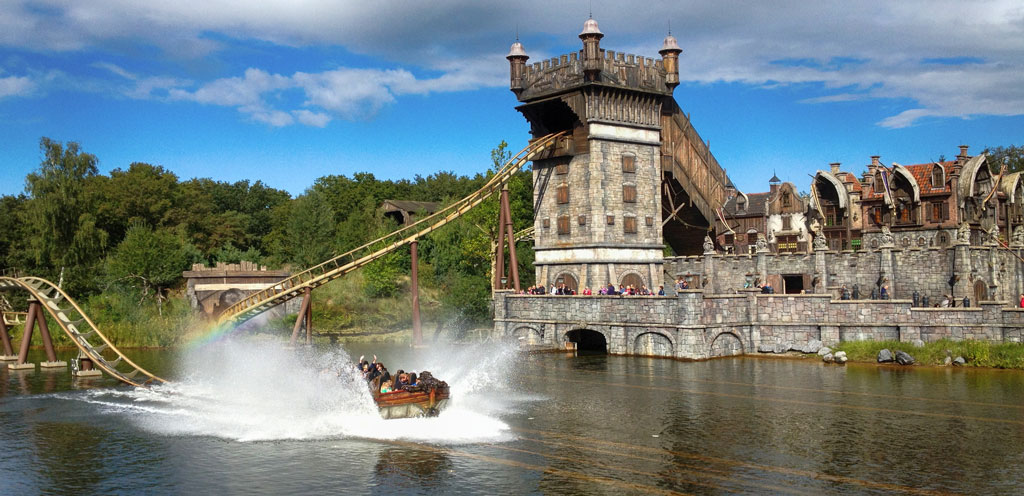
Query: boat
point(426, 399)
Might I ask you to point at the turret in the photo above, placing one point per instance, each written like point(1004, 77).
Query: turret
point(517, 58)
point(591, 37)
point(670, 59)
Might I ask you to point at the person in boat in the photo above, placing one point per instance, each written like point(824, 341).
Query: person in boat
point(402, 381)
point(412, 379)
point(386, 387)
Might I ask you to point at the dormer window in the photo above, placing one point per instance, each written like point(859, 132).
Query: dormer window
point(786, 200)
point(938, 181)
point(741, 204)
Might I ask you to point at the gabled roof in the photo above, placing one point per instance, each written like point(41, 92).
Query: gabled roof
point(923, 175)
point(756, 205)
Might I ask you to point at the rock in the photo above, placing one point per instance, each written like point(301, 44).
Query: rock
point(824, 351)
point(765, 348)
point(828, 358)
point(841, 357)
point(948, 361)
point(904, 358)
point(918, 343)
point(811, 346)
point(958, 361)
point(781, 348)
point(885, 356)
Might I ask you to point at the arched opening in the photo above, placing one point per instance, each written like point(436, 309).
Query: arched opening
point(632, 280)
point(568, 280)
point(726, 344)
point(980, 291)
point(588, 341)
point(526, 336)
point(652, 344)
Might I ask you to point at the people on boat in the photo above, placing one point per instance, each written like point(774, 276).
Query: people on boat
point(386, 387)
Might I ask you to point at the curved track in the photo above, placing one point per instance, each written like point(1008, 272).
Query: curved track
point(336, 267)
point(92, 343)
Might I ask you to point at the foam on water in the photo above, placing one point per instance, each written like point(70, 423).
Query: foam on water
point(245, 390)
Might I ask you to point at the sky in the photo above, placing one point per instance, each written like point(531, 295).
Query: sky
point(286, 91)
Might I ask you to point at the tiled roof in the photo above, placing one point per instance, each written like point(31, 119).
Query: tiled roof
point(923, 175)
point(756, 206)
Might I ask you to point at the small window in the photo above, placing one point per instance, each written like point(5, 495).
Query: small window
point(583, 220)
point(628, 193)
point(563, 194)
point(563, 225)
point(728, 239)
point(629, 225)
point(546, 223)
point(628, 163)
point(741, 204)
point(787, 223)
point(649, 221)
point(786, 200)
point(937, 180)
point(562, 169)
point(610, 220)
point(752, 238)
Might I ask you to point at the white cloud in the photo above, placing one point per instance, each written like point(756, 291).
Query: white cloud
point(726, 41)
point(15, 86)
point(315, 119)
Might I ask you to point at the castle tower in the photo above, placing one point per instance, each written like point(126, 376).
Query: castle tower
point(597, 197)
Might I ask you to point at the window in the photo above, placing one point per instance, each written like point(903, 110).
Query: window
point(937, 179)
point(629, 225)
point(546, 223)
point(937, 212)
point(728, 239)
point(628, 193)
point(563, 194)
point(562, 169)
point(787, 243)
point(741, 204)
point(752, 238)
point(876, 215)
point(583, 220)
point(786, 200)
point(649, 221)
point(787, 223)
point(563, 225)
point(831, 214)
point(628, 163)
point(610, 220)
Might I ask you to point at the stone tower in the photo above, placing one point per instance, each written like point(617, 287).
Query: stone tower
point(598, 195)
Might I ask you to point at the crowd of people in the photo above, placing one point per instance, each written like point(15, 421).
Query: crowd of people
point(608, 290)
point(381, 380)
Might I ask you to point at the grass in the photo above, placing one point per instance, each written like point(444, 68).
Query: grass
point(976, 353)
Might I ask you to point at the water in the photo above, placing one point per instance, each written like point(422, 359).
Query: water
point(254, 418)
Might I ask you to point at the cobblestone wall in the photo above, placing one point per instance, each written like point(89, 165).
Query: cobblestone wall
point(697, 326)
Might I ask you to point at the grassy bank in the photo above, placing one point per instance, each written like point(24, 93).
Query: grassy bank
point(977, 353)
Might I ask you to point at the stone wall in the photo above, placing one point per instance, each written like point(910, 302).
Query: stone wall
point(695, 325)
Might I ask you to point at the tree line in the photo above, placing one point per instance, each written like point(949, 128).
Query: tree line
point(138, 228)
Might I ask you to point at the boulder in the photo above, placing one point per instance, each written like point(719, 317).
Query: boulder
point(958, 361)
point(828, 358)
point(841, 357)
point(885, 356)
point(765, 348)
point(811, 346)
point(918, 343)
point(781, 348)
point(824, 351)
point(904, 358)
point(948, 361)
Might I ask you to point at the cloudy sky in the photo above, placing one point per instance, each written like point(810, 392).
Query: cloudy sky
point(297, 89)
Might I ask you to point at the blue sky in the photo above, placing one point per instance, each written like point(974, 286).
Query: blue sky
point(290, 91)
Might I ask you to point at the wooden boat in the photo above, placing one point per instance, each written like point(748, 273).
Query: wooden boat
point(425, 401)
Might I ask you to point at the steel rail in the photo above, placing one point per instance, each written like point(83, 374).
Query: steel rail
point(49, 295)
point(340, 265)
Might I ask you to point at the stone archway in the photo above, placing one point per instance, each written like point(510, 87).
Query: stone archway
point(726, 344)
point(569, 280)
point(588, 340)
point(527, 336)
point(652, 344)
point(632, 279)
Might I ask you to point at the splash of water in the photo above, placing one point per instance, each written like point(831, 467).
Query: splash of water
point(249, 390)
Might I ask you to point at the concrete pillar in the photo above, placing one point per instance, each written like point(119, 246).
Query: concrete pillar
point(762, 263)
point(708, 272)
point(820, 269)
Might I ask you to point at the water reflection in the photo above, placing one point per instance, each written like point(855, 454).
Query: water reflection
point(405, 468)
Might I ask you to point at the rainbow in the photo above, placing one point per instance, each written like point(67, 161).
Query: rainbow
point(211, 334)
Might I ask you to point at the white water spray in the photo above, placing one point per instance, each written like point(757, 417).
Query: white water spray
point(249, 390)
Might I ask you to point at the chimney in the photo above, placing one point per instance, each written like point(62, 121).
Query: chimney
point(962, 158)
point(835, 168)
point(875, 162)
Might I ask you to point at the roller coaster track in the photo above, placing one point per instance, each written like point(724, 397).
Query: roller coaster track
point(340, 265)
point(92, 343)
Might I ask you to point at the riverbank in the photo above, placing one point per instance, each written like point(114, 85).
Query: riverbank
point(976, 353)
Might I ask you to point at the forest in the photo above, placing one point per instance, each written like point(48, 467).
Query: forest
point(118, 243)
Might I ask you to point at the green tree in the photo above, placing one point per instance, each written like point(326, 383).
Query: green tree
point(65, 239)
point(148, 261)
point(1013, 155)
point(310, 230)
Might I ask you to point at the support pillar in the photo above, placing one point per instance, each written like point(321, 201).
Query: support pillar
point(510, 233)
point(885, 270)
point(762, 259)
point(820, 268)
point(5, 340)
point(417, 331)
point(44, 332)
point(26, 339)
point(305, 316)
point(961, 271)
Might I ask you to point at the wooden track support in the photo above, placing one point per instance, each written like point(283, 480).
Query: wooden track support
point(5, 341)
point(506, 235)
point(36, 318)
point(304, 318)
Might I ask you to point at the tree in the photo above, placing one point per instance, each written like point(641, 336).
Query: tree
point(147, 261)
point(1014, 156)
point(310, 230)
point(65, 238)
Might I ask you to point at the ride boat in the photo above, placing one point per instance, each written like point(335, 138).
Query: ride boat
point(426, 399)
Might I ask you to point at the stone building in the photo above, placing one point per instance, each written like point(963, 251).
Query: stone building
point(629, 154)
point(779, 216)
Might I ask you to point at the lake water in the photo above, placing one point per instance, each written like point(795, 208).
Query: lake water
point(243, 417)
